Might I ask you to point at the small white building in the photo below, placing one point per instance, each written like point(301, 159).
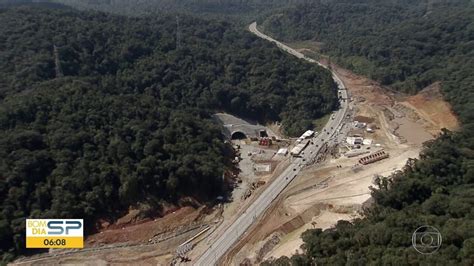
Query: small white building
point(307, 134)
point(358, 124)
point(367, 142)
point(263, 167)
point(299, 148)
point(282, 151)
point(354, 140)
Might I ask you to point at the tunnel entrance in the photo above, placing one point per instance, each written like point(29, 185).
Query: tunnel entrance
point(238, 135)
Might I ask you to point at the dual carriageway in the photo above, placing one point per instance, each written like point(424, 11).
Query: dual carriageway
point(329, 133)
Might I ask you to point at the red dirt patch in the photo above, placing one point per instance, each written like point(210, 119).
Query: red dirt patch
point(363, 88)
point(430, 104)
point(142, 231)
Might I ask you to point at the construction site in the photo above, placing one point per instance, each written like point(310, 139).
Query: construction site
point(386, 129)
point(381, 131)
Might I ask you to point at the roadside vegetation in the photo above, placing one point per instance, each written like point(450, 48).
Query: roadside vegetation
point(124, 119)
point(406, 45)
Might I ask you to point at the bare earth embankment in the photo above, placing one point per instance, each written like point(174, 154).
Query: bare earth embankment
point(336, 189)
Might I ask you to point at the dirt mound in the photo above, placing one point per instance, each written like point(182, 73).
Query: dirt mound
point(268, 246)
point(431, 106)
point(364, 119)
point(143, 231)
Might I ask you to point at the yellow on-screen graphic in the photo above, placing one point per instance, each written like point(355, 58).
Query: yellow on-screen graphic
point(54, 233)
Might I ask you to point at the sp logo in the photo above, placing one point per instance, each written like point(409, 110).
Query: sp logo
point(63, 227)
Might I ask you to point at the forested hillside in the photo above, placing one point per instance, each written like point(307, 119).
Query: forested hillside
point(101, 112)
point(240, 9)
point(407, 46)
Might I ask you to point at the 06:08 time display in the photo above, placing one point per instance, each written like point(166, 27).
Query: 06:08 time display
point(54, 242)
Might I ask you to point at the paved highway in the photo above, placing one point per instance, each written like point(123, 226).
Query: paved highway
point(258, 207)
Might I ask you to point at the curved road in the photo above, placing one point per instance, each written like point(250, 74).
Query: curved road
point(235, 231)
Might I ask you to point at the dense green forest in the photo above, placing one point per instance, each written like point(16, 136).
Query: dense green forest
point(407, 45)
point(101, 112)
point(235, 9)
